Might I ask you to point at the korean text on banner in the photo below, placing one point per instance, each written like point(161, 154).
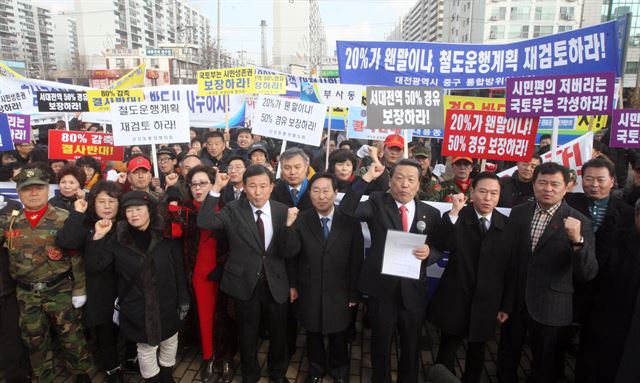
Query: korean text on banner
point(133, 79)
point(587, 50)
point(65, 145)
point(100, 100)
point(565, 95)
point(293, 83)
point(20, 126)
point(291, 120)
point(334, 95)
point(5, 134)
point(14, 102)
point(490, 135)
point(150, 123)
point(63, 102)
point(357, 128)
point(405, 107)
point(625, 129)
point(239, 81)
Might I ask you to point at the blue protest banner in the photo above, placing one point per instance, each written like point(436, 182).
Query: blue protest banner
point(464, 66)
point(5, 133)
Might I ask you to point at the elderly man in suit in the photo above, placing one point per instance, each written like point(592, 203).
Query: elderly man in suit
point(478, 285)
point(329, 246)
point(557, 246)
point(394, 302)
point(254, 273)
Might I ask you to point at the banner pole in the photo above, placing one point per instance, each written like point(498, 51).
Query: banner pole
point(282, 149)
point(326, 142)
point(226, 122)
point(406, 143)
point(154, 155)
point(66, 121)
point(554, 138)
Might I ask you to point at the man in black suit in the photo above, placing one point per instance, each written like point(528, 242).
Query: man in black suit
point(393, 302)
point(328, 246)
point(254, 273)
point(597, 302)
point(234, 189)
point(556, 246)
point(479, 283)
point(293, 190)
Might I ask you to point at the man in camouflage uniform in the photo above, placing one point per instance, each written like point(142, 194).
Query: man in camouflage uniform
point(42, 272)
point(428, 180)
point(460, 183)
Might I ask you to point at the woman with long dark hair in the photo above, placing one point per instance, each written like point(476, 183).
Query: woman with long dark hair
point(152, 291)
point(200, 257)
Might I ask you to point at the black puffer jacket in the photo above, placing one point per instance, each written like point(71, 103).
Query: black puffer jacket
point(149, 311)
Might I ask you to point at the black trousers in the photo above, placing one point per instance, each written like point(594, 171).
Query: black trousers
point(543, 339)
point(249, 316)
point(107, 340)
point(13, 354)
point(449, 345)
point(337, 364)
point(385, 318)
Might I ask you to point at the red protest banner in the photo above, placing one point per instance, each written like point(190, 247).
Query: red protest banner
point(489, 135)
point(66, 145)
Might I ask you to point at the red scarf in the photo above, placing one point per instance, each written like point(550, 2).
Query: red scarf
point(463, 185)
point(35, 216)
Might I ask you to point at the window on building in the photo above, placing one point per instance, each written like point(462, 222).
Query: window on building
point(498, 13)
point(518, 32)
point(496, 32)
point(520, 13)
point(567, 13)
point(545, 13)
point(631, 67)
point(120, 63)
point(564, 28)
point(542, 30)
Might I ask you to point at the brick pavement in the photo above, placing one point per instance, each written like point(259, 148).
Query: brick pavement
point(189, 362)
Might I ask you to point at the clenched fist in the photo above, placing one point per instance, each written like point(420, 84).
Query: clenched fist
point(80, 205)
point(102, 227)
point(572, 228)
point(292, 214)
point(222, 179)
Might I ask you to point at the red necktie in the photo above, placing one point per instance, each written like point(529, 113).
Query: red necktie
point(404, 217)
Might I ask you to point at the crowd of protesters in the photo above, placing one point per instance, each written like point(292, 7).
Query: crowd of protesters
point(214, 252)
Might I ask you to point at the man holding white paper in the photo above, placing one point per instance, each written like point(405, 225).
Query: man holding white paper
point(394, 301)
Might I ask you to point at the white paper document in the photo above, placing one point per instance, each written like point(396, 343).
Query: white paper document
point(398, 257)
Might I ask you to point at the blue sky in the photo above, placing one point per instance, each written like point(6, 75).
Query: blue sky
point(343, 20)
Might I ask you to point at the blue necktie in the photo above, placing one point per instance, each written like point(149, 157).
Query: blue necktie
point(325, 227)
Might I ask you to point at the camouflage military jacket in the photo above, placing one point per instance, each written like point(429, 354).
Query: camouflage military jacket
point(33, 254)
point(444, 190)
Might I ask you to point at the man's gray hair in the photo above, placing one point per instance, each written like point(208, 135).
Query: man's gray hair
point(292, 152)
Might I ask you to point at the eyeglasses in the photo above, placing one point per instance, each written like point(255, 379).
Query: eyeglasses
point(200, 185)
point(163, 160)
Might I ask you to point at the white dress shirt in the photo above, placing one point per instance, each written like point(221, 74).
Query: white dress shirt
point(454, 218)
point(266, 221)
point(411, 212)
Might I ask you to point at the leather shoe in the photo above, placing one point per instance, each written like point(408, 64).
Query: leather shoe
point(114, 376)
point(166, 375)
point(226, 372)
point(83, 378)
point(313, 379)
point(208, 374)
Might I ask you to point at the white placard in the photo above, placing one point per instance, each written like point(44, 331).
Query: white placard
point(398, 257)
point(333, 95)
point(16, 102)
point(145, 123)
point(289, 119)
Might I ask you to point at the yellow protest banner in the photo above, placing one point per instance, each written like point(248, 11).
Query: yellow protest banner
point(212, 82)
point(8, 72)
point(269, 84)
point(101, 100)
point(133, 79)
